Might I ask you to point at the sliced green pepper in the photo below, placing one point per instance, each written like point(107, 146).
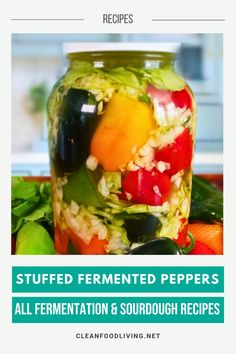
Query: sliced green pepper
point(82, 188)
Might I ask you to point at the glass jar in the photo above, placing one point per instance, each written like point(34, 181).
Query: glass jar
point(121, 141)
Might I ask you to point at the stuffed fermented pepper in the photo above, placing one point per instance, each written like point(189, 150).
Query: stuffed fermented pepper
point(121, 139)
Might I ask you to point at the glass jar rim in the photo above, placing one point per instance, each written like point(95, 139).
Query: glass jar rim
point(75, 47)
point(113, 54)
point(111, 59)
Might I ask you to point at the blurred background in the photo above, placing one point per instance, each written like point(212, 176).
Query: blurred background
point(38, 61)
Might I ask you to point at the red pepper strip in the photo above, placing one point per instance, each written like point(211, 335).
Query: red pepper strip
point(181, 99)
point(178, 154)
point(61, 241)
point(183, 232)
point(96, 246)
point(201, 249)
point(62, 238)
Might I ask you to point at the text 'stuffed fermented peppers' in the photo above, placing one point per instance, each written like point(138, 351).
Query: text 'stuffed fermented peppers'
point(121, 139)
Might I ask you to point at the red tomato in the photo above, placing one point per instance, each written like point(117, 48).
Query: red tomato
point(181, 99)
point(147, 187)
point(179, 154)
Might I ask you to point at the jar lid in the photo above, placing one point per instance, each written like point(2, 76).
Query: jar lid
point(77, 47)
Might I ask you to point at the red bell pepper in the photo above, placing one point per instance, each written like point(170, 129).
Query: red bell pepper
point(146, 187)
point(178, 154)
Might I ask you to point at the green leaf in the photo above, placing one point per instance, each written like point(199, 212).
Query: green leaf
point(171, 80)
point(206, 201)
point(26, 207)
point(16, 180)
point(42, 209)
point(48, 217)
point(45, 191)
point(79, 70)
point(165, 79)
point(33, 239)
point(82, 188)
point(16, 202)
point(145, 98)
point(123, 77)
point(16, 222)
point(153, 77)
point(24, 190)
point(137, 71)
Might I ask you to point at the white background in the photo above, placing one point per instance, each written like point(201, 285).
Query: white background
point(175, 338)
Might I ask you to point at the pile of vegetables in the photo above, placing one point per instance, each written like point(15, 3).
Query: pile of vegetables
point(32, 221)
